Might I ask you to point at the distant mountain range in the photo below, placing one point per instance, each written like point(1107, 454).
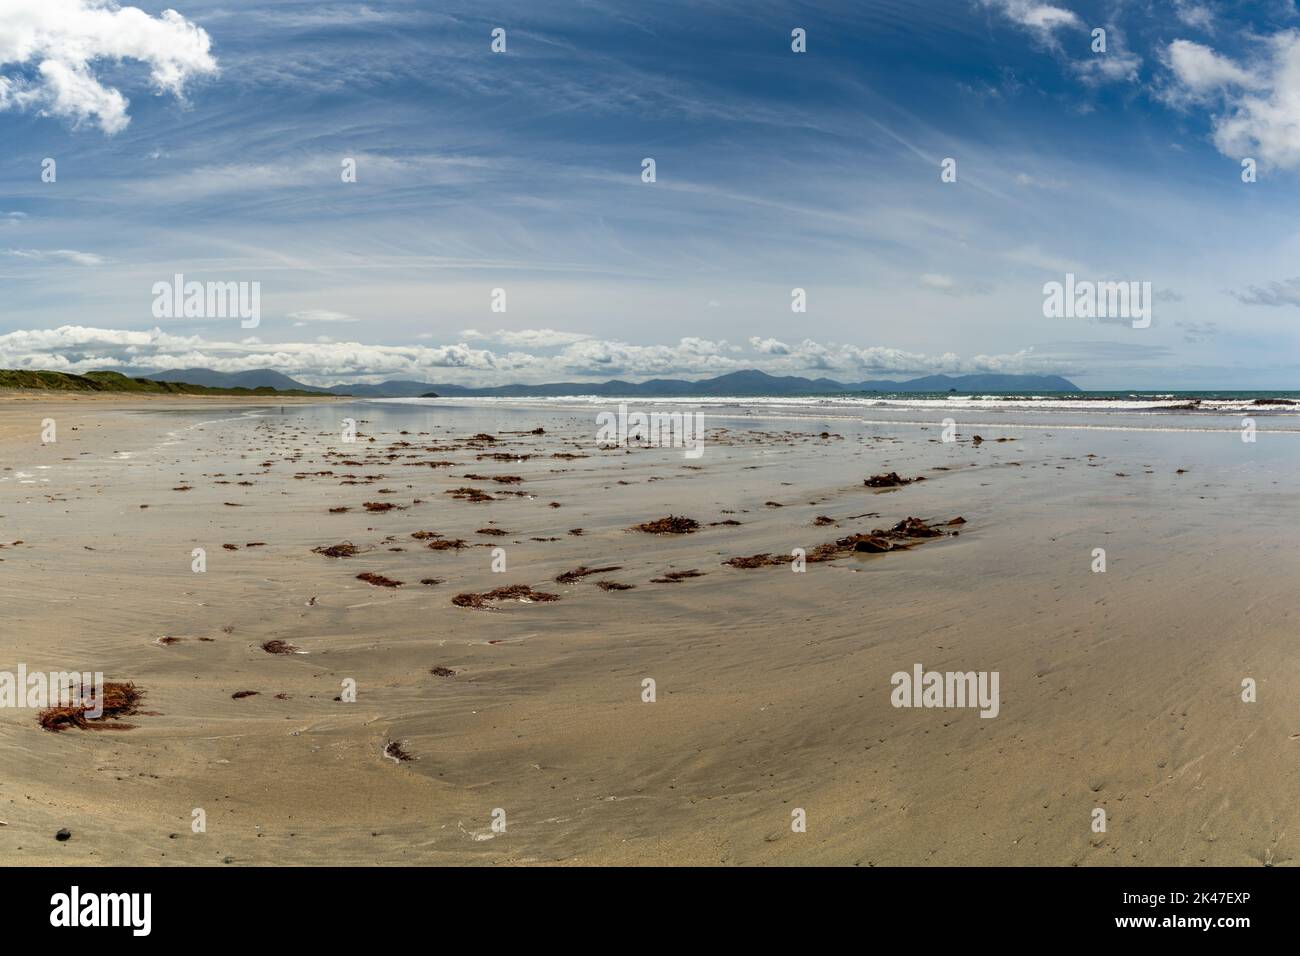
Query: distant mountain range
point(261, 378)
point(748, 383)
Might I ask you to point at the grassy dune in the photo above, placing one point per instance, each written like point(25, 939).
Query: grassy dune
point(116, 382)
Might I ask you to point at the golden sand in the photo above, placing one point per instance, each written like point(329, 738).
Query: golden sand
point(771, 686)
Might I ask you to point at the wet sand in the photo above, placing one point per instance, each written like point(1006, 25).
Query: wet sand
point(1119, 691)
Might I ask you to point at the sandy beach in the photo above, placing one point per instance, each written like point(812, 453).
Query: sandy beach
point(1119, 690)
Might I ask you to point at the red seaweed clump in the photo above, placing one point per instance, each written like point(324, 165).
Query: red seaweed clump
point(345, 549)
point(513, 592)
point(117, 700)
point(378, 580)
point(673, 524)
point(581, 571)
point(890, 480)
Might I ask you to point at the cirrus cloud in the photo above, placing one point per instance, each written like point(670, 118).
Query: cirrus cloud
point(58, 255)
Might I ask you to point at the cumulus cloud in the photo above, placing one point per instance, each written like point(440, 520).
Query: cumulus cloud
point(49, 50)
point(1041, 18)
point(1200, 73)
point(82, 349)
point(769, 346)
point(1254, 105)
point(700, 357)
point(689, 355)
point(1117, 64)
point(325, 361)
point(1267, 124)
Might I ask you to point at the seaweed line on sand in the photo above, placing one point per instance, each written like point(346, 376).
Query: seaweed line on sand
point(513, 592)
point(906, 534)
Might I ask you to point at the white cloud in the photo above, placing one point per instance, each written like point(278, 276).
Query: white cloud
point(769, 346)
point(1194, 14)
point(1256, 108)
point(307, 172)
point(58, 255)
point(1034, 257)
point(324, 361)
point(82, 349)
point(690, 356)
point(1200, 72)
point(1117, 65)
point(307, 317)
point(58, 43)
point(1042, 18)
point(1040, 182)
point(527, 338)
point(949, 286)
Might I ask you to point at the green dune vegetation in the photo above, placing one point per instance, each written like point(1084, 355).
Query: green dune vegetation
point(117, 382)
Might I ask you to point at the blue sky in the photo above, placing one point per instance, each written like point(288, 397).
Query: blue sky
point(210, 142)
